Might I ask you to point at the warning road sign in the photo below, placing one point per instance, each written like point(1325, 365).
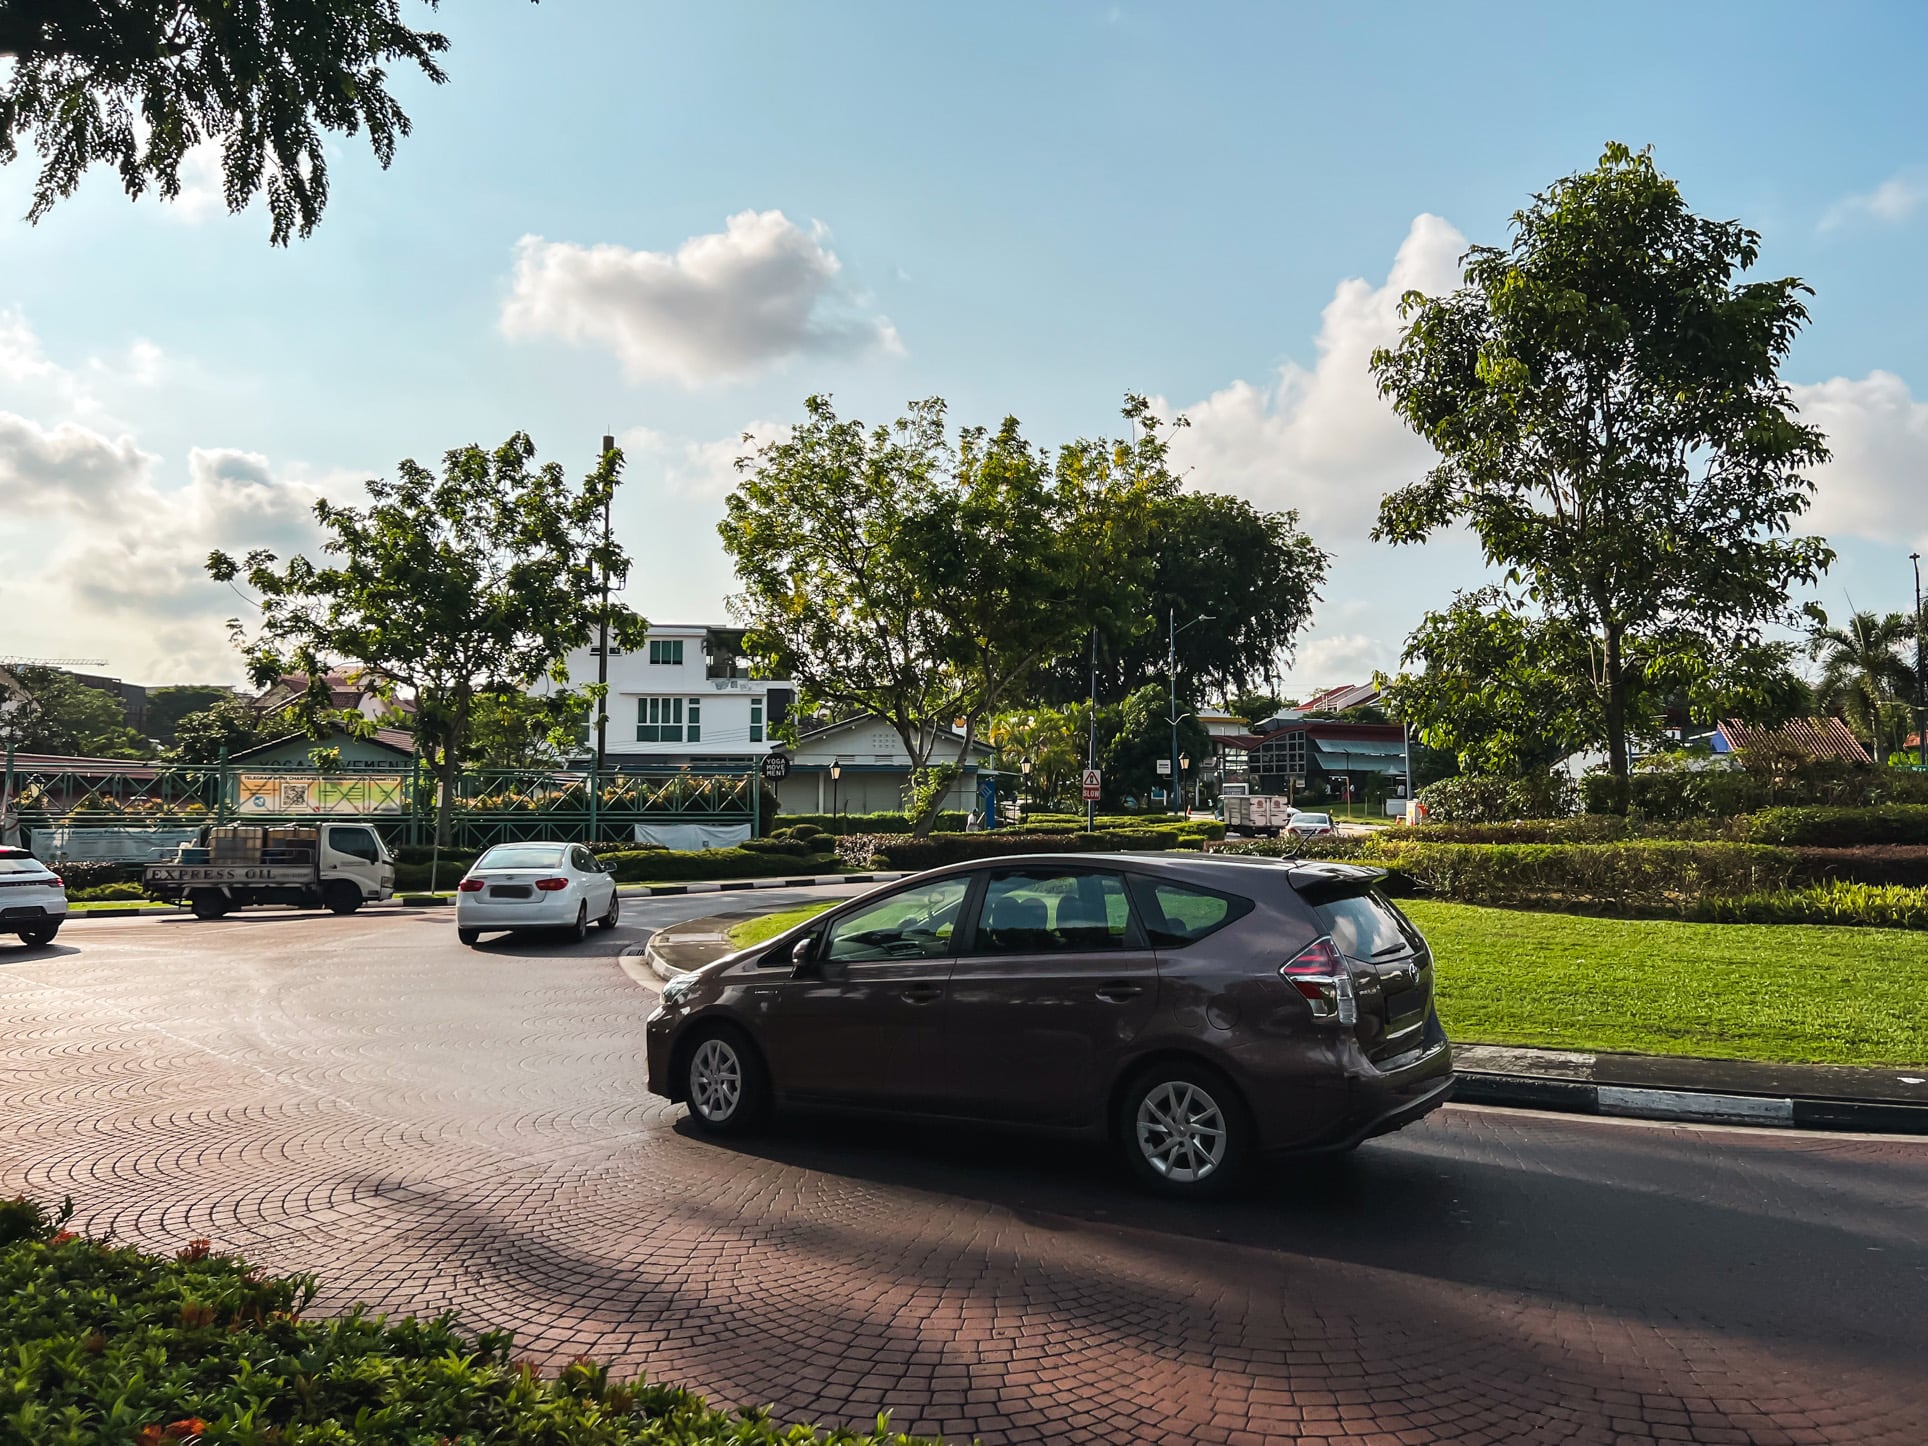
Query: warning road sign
point(1094, 783)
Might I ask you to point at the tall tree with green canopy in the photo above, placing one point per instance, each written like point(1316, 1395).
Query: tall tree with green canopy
point(136, 84)
point(1605, 400)
point(459, 587)
point(1255, 575)
point(895, 572)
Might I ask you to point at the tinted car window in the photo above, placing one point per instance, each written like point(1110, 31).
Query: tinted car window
point(19, 864)
point(583, 861)
point(1366, 926)
point(520, 856)
point(1045, 911)
point(1179, 914)
point(358, 842)
point(915, 924)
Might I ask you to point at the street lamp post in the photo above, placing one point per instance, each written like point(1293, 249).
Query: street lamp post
point(8, 709)
point(1024, 767)
point(836, 772)
point(1921, 674)
point(1171, 674)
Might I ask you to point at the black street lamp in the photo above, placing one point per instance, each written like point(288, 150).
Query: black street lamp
point(1024, 767)
point(836, 772)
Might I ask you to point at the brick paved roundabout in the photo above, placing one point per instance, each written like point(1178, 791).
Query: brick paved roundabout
point(432, 1127)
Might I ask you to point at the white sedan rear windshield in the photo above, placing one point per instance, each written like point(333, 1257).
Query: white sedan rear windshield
point(21, 864)
point(521, 856)
point(1314, 818)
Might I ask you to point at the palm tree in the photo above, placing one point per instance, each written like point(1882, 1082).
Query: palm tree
point(1862, 672)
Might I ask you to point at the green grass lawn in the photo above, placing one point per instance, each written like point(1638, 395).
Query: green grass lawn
point(1782, 992)
point(768, 926)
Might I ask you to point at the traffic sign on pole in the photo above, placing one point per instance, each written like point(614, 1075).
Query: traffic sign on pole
point(1094, 783)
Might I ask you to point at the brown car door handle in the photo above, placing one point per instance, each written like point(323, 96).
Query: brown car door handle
point(1118, 993)
point(923, 993)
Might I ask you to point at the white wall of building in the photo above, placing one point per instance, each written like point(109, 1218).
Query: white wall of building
point(664, 708)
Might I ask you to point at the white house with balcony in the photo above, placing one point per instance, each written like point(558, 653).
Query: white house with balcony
point(684, 699)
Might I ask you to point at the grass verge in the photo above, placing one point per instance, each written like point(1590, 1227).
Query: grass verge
point(768, 926)
point(1795, 993)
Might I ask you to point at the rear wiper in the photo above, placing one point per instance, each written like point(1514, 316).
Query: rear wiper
point(1392, 949)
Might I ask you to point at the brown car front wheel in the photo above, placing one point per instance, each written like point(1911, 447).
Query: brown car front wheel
point(725, 1084)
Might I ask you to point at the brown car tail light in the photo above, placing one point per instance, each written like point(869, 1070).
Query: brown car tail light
point(1319, 972)
point(470, 886)
point(549, 886)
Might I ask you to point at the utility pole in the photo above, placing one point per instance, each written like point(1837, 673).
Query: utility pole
point(1091, 748)
point(1921, 674)
point(602, 643)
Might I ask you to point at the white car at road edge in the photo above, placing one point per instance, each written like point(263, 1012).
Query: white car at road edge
point(33, 899)
point(518, 886)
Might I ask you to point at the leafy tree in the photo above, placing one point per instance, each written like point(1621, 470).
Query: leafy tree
point(1605, 402)
point(1863, 677)
point(166, 707)
point(463, 587)
point(137, 83)
point(1254, 574)
point(230, 724)
point(1506, 693)
point(524, 730)
point(61, 714)
point(895, 573)
point(1136, 733)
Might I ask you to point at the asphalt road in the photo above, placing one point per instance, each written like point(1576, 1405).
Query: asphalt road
point(431, 1127)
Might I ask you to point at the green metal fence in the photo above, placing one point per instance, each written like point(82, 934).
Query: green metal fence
point(488, 806)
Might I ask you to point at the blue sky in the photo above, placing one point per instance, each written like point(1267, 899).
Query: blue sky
point(1025, 208)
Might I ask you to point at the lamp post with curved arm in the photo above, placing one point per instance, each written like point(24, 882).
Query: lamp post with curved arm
point(1171, 674)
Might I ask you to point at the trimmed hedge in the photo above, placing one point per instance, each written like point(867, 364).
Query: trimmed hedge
point(902, 851)
point(109, 1343)
point(1894, 823)
point(1723, 793)
point(664, 865)
point(1903, 864)
point(949, 821)
point(1643, 874)
point(1867, 906)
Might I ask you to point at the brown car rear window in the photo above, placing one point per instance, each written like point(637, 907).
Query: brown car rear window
point(1179, 914)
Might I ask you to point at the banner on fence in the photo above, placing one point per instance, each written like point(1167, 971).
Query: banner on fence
point(105, 845)
point(328, 793)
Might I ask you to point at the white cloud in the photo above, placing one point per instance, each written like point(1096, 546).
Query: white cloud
point(1322, 440)
point(1893, 201)
point(699, 469)
point(67, 467)
point(1339, 659)
point(1876, 486)
point(720, 306)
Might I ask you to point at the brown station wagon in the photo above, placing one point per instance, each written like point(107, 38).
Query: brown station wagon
point(1198, 1011)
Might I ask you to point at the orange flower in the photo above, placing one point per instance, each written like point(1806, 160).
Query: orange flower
point(62, 1238)
point(196, 1249)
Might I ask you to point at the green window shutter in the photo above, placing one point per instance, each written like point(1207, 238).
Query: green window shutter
point(696, 720)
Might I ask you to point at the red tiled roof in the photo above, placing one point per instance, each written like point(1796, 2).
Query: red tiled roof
point(1818, 737)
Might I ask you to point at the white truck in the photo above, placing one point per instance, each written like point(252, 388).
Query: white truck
point(339, 866)
point(1257, 813)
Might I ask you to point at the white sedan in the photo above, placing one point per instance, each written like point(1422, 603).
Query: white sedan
point(1311, 825)
point(33, 900)
point(535, 886)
